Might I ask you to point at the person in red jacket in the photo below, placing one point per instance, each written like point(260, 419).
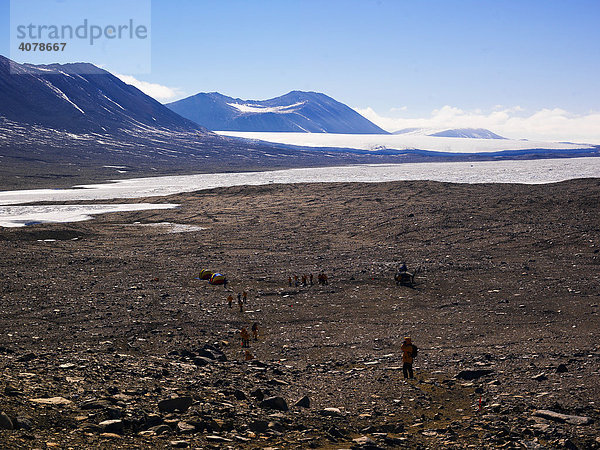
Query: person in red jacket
point(407, 358)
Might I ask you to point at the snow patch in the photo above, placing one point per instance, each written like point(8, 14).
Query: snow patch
point(254, 108)
point(61, 94)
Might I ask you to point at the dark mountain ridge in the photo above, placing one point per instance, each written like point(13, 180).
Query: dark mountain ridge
point(79, 98)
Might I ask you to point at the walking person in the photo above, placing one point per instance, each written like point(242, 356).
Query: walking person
point(230, 300)
point(240, 303)
point(245, 338)
point(244, 296)
point(409, 351)
point(255, 331)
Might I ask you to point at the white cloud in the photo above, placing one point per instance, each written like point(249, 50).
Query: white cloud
point(546, 124)
point(154, 90)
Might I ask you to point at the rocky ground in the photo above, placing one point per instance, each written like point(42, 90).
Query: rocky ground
point(109, 340)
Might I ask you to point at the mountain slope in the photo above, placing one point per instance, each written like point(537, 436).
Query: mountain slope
point(65, 97)
point(298, 111)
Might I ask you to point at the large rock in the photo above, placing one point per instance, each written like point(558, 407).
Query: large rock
point(258, 426)
point(5, 422)
point(12, 391)
point(239, 395)
point(175, 404)
point(54, 401)
point(23, 422)
point(331, 412)
point(201, 361)
point(277, 403)
point(111, 426)
point(205, 353)
point(185, 427)
point(558, 417)
point(304, 402)
point(562, 368)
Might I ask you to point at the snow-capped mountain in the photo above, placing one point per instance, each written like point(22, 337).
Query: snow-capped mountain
point(296, 111)
point(472, 133)
point(79, 98)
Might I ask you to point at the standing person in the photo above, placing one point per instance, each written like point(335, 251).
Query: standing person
point(230, 300)
point(311, 279)
point(295, 280)
point(289, 281)
point(255, 331)
point(245, 338)
point(408, 354)
point(240, 303)
point(244, 296)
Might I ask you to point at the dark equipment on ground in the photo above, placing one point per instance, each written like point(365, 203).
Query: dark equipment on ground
point(406, 278)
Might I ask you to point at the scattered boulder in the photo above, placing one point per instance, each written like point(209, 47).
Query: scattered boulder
point(259, 426)
point(23, 422)
point(258, 394)
point(563, 418)
point(216, 438)
point(111, 426)
point(94, 404)
point(205, 353)
point(5, 422)
point(202, 361)
point(27, 357)
point(277, 403)
point(239, 395)
point(304, 402)
point(54, 401)
point(12, 391)
point(331, 412)
point(161, 429)
point(175, 404)
point(562, 368)
point(185, 427)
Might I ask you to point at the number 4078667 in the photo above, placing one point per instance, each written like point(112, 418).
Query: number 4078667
point(42, 46)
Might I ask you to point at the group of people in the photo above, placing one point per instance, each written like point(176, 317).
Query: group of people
point(242, 298)
point(307, 280)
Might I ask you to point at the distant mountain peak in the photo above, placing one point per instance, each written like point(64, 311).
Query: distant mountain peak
point(296, 111)
point(473, 133)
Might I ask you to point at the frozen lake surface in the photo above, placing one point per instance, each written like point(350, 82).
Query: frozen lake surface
point(516, 171)
point(19, 216)
point(409, 141)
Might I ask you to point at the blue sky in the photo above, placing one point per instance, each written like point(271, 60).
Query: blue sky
point(510, 64)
